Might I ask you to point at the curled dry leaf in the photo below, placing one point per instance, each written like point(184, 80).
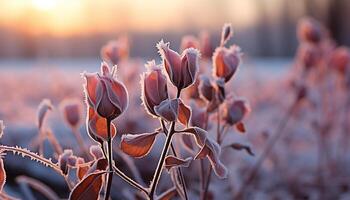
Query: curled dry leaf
point(168, 109)
point(174, 109)
point(172, 161)
point(88, 188)
point(238, 146)
point(209, 149)
point(2, 175)
point(138, 145)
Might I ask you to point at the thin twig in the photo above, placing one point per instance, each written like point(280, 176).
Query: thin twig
point(159, 168)
point(182, 178)
point(218, 140)
point(129, 180)
point(110, 160)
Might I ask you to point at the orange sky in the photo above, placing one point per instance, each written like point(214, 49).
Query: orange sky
point(69, 17)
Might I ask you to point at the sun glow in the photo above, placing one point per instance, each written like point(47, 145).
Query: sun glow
point(71, 17)
point(44, 5)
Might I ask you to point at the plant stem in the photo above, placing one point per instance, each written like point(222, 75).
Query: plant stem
point(110, 160)
point(159, 168)
point(218, 140)
point(267, 150)
point(182, 178)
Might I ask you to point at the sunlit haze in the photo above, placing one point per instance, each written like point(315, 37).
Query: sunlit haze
point(71, 17)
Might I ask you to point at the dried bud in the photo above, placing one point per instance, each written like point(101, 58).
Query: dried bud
point(106, 95)
point(97, 127)
point(340, 59)
point(308, 55)
point(226, 33)
point(309, 30)
point(44, 106)
point(72, 111)
point(63, 160)
point(115, 50)
point(154, 87)
point(182, 69)
point(226, 61)
point(206, 89)
point(212, 92)
point(235, 110)
point(189, 41)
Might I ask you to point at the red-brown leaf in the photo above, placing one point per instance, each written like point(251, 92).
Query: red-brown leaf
point(168, 195)
point(172, 161)
point(240, 127)
point(88, 188)
point(184, 113)
point(2, 175)
point(138, 145)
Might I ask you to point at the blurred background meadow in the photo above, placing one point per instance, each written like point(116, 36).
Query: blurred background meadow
point(45, 45)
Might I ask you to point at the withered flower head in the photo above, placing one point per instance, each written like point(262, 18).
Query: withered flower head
point(105, 94)
point(309, 30)
point(115, 50)
point(226, 61)
point(72, 112)
point(235, 110)
point(182, 69)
